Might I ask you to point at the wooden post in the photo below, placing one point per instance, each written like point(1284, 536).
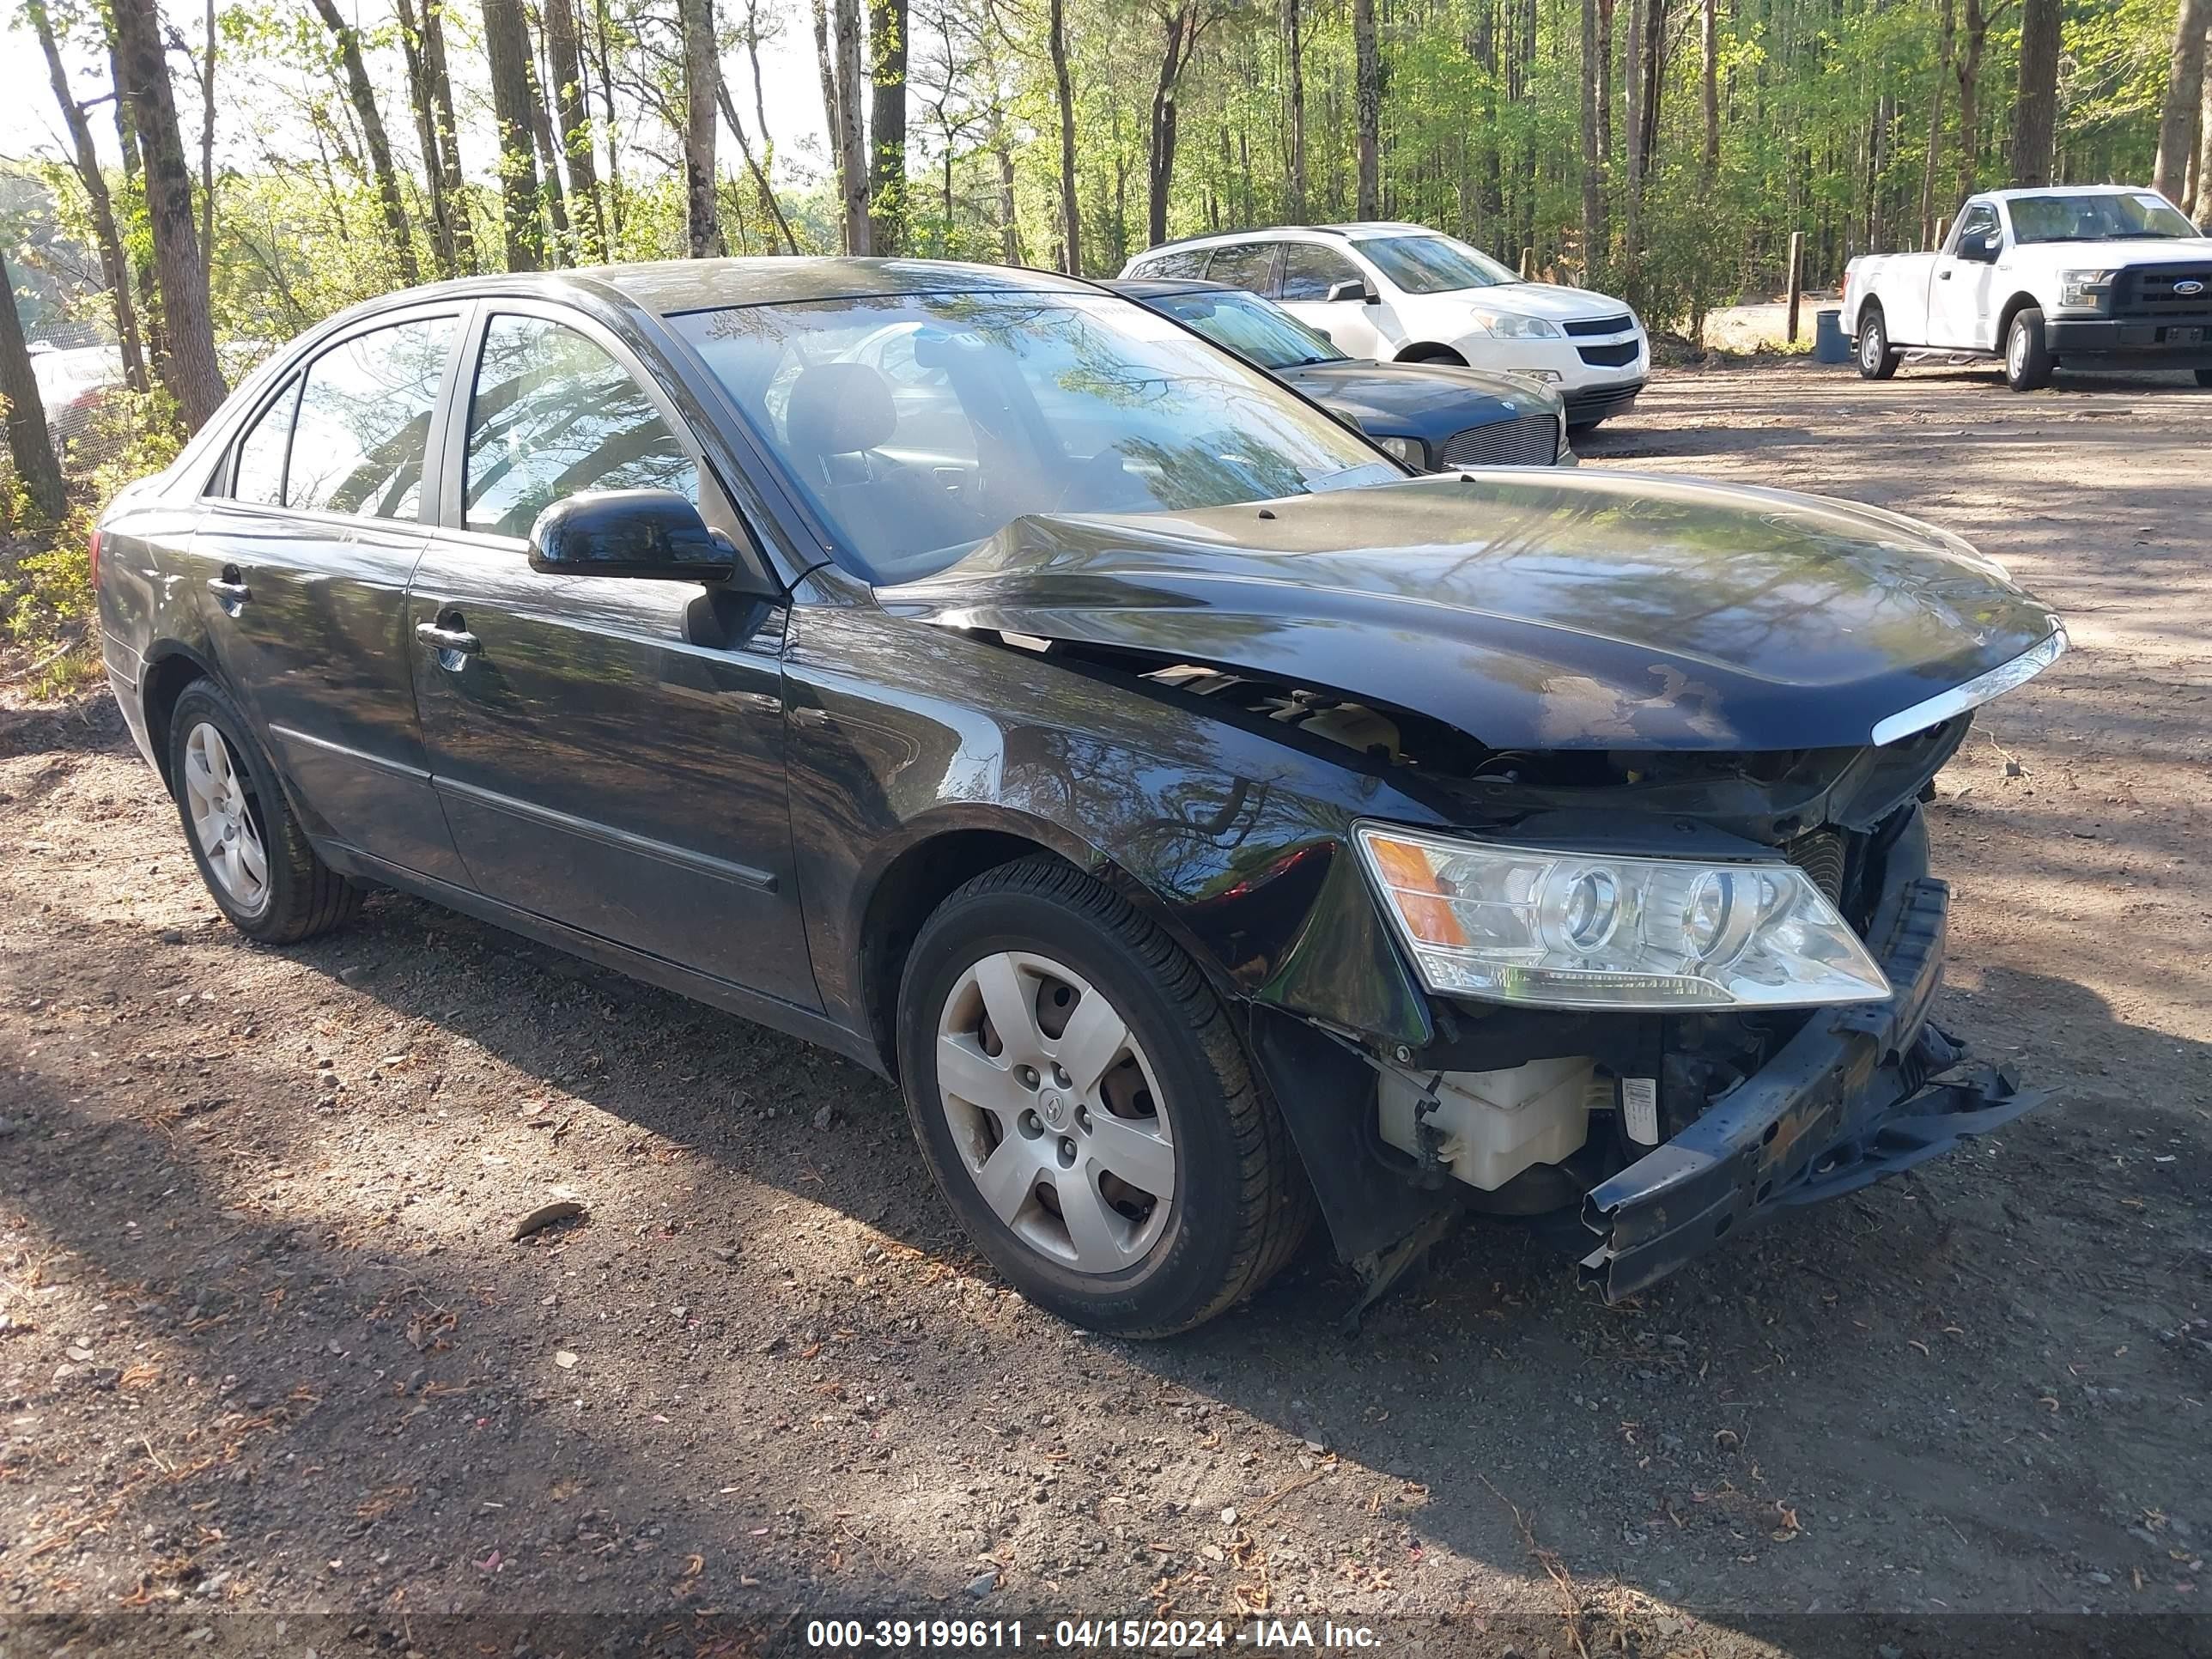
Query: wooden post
point(1796, 259)
point(1942, 234)
point(1528, 264)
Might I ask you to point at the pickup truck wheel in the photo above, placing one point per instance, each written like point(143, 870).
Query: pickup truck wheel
point(249, 849)
point(1877, 360)
point(2028, 353)
point(1084, 1102)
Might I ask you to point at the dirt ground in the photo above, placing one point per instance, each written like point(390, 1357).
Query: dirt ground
point(275, 1377)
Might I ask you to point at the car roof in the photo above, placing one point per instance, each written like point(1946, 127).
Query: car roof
point(2018, 191)
point(1156, 288)
point(1349, 230)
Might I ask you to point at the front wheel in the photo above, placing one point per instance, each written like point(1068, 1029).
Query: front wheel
point(1878, 361)
point(2028, 353)
point(1086, 1106)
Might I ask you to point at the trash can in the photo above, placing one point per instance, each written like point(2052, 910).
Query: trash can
point(1829, 345)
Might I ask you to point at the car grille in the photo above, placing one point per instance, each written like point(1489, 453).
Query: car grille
point(2150, 291)
point(1616, 356)
point(1820, 854)
point(1620, 324)
point(1524, 441)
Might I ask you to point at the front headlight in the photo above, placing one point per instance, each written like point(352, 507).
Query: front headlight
point(1507, 325)
point(1411, 451)
point(2085, 289)
point(1579, 930)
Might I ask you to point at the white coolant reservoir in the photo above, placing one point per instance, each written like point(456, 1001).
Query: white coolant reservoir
point(1490, 1125)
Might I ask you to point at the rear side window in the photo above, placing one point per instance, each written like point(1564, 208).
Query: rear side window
point(261, 452)
point(364, 423)
point(1309, 272)
point(1251, 266)
point(1188, 263)
point(553, 415)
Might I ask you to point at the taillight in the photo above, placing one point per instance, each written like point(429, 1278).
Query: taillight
point(92, 554)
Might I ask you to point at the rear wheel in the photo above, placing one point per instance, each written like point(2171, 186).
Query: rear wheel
point(1084, 1104)
point(2028, 353)
point(251, 851)
point(1878, 359)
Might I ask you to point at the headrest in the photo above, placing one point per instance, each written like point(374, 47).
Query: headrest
point(836, 408)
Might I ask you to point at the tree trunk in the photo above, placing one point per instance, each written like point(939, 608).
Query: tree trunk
point(29, 443)
point(1596, 234)
point(1710, 36)
point(852, 127)
point(2035, 115)
point(1605, 83)
point(206, 145)
point(565, 67)
point(2184, 88)
point(1010, 230)
point(134, 164)
point(833, 109)
point(449, 144)
point(1295, 138)
point(1654, 79)
point(192, 373)
point(887, 41)
point(541, 134)
point(1969, 70)
point(1946, 26)
point(760, 179)
point(426, 136)
point(1071, 211)
point(2201, 208)
point(114, 271)
point(507, 44)
point(363, 98)
point(1632, 191)
point(702, 81)
point(1368, 82)
point(1179, 27)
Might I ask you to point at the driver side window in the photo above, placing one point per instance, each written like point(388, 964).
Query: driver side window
point(552, 415)
point(1978, 222)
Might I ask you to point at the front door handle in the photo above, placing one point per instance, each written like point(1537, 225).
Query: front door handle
point(1943, 275)
point(230, 587)
point(442, 638)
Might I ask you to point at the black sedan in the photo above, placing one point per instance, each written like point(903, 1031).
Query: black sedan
point(1438, 417)
point(1208, 824)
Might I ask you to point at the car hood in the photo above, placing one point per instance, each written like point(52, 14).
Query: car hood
point(1419, 400)
point(1530, 610)
point(2108, 256)
point(1551, 301)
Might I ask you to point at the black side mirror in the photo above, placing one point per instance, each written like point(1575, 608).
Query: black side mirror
point(629, 533)
point(1352, 289)
point(1981, 249)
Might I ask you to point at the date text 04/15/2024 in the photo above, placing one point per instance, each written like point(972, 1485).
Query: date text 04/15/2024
point(1078, 1635)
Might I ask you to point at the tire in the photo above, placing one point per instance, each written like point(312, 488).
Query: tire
point(1877, 358)
point(1161, 1262)
point(232, 810)
point(2027, 363)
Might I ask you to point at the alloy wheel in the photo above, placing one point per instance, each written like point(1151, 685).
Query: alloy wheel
point(222, 818)
point(1055, 1112)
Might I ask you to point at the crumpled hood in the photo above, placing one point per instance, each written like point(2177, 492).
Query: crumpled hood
point(1530, 610)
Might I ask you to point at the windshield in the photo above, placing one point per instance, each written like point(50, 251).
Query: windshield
point(919, 425)
point(2137, 214)
point(1251, 328)
point(1433, 265)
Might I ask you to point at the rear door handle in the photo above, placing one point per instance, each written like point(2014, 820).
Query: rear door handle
point(441, 638)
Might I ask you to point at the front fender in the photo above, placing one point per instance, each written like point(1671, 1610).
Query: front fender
point(1238, 845)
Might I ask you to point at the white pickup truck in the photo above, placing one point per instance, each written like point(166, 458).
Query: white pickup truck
point(2102, 277)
